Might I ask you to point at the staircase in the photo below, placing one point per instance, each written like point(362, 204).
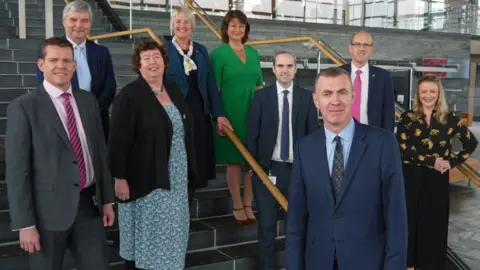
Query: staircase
point(216, 241)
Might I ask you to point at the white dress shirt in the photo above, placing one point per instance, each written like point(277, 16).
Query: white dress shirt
point(364, 98)
point(276, 150)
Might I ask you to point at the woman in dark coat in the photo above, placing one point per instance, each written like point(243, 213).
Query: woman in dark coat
point(152, 159)
point(191, 70)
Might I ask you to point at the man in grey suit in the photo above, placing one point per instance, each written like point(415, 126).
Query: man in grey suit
point(60, 190)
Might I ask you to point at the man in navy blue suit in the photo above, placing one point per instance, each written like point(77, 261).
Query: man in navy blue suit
point(94, 63)
point(280, 114)
point(346, 205)
point(375, 102)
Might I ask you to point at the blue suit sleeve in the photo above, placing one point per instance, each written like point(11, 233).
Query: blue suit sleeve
point(212, 89)
point(297, 216)
point(37, 70)
point(253, 125)
point(110, 85)
point(388, 118)
point(394, 206)
point(312, 117)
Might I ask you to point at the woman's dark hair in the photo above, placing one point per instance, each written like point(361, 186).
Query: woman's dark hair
point(146, 45)
point(226, 20)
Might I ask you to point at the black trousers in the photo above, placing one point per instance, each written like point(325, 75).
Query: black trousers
point(267, 210)
point(427, 197)
point(85, 239)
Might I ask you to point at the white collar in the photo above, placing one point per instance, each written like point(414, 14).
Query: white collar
point(280, 88)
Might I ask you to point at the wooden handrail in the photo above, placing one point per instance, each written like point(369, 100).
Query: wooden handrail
point(256, 167)
point(204, 20)
point(147, 30)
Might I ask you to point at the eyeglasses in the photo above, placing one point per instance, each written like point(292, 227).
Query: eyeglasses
point(360, 45)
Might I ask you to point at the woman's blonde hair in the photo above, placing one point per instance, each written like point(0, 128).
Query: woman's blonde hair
point(441, 108)
point(185, 11)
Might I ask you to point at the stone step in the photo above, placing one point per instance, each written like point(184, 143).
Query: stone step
point(3, 125)
point(3, 110)
point(8, 95)
point(238, 257)
point(30, 6)
point(23, 68)
point(55, 2)
point(15, 81)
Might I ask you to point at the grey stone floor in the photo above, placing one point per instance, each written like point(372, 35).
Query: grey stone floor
point(464, 228)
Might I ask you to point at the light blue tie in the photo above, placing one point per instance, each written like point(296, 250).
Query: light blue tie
point(83, 72)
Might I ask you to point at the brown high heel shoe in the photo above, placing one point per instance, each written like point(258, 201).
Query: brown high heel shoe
point(250, 220)
point(242, 222)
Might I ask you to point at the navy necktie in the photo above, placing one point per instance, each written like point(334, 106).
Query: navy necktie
point(285, 138)
point(338, 166)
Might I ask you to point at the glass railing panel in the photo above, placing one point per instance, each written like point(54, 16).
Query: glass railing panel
point(432, 15)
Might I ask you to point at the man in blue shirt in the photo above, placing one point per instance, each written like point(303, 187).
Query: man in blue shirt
point(346, 205)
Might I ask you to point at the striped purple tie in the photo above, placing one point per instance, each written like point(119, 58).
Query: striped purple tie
point(75, 139)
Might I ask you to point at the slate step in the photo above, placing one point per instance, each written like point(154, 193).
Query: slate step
point(8, 55)
point(3, 111)
point(3, 125)
point(239, 257)
point(16, 80)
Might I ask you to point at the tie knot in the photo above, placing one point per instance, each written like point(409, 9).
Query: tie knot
point(359, 72)
point(66, 96)
point(285, 92)
point(337, 139)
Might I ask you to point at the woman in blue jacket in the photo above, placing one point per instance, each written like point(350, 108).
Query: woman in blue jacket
point(190, 68)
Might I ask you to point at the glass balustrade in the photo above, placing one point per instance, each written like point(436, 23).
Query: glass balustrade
point(456, 16)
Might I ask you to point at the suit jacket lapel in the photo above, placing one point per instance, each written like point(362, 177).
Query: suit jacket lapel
point(82, 110)
point(324, 171)
point(91, 62)
point(296, 101)
point(274, 101)
point(357, 150)
point(348, 68)
point(51, 113)
point(371, 85)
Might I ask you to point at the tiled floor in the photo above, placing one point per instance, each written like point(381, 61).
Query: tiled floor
point(464, 230)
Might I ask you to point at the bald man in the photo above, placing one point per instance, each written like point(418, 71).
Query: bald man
point(374, 100)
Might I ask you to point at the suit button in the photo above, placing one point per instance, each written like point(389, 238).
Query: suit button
point(74, 162)
point(337, 217)
point(75, 185)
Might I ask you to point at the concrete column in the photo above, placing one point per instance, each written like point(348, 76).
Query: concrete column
point(471, 87)
point(239, 5)
point(346, 8)
point(48, 18)
point(22, 25)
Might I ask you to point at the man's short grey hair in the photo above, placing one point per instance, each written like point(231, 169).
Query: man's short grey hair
point(284, 52)
point(78, 6)
point(334, 72)
point(185, 11)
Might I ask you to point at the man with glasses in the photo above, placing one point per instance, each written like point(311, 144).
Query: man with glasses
point(374, 100)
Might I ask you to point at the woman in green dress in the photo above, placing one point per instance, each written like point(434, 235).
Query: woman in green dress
point(238, 74)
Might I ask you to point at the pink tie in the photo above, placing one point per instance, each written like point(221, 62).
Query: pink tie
point(357, 85)
point(75, 139)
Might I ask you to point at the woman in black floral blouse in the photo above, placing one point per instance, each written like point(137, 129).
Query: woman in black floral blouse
point(425, 135)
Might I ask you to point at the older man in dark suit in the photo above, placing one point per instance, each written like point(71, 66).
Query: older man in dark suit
point(60, 190)
point(281, 114)
point(94, 71)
